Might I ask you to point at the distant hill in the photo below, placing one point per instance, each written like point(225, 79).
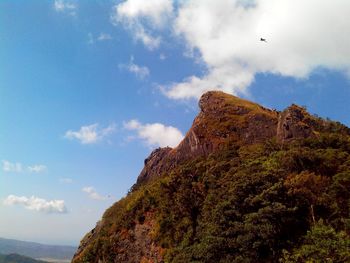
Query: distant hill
point(35, 250)
point(246, 184)
point(15, 258)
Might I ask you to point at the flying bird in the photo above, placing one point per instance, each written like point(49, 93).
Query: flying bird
point(263, 40)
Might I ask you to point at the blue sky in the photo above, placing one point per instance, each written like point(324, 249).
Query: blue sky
point(89, 88)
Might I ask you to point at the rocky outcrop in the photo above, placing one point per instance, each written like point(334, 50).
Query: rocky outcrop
point(294, 122)
point(136, 244)
point(155, 164)
point(225, 118)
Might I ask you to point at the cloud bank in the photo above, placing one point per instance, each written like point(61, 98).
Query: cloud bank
point(37, 204)
point(225, 36)
point(155, 134)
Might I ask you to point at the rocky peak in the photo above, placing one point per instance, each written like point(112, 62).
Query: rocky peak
point(222, 119)
point(214, 102)
point(225, 119)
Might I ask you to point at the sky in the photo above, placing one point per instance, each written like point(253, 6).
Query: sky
point(89, 88)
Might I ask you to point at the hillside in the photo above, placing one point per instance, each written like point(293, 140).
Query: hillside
point(15, 258)
point(36, 250)
point(246, 184)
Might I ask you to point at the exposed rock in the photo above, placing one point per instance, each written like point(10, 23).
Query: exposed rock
point(154, 164)
point(137, 244)
point(222, 118)
point(226, 118)
point(293, 123)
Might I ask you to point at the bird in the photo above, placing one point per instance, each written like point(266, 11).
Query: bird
point(263, 39)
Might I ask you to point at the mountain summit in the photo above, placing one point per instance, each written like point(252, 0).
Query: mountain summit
point(225, 119)
point(246, 184)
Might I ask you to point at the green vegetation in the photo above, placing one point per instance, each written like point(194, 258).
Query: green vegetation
point(321, 244)
point(247, 205)
point(258, 203)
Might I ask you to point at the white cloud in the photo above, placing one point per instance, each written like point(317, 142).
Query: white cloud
point(104, 37)
point(65, 6)
point(301, 35)
point(101, 37)
point(9, 167)
point(37, 168)
point(225, 36)
point(66, 180)
point(140, 71)
point(37, 204)
point(151, 42)
point(156, 134)
point(157, 11)
point(141, 17)
point(220, 78)
point(93, 194)
point(90, 134)
point(17, 167)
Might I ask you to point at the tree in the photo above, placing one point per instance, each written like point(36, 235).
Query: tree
point(321, 244)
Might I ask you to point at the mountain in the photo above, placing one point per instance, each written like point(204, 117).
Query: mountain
point(36, 250)
point(15, 258)
point(246, 184)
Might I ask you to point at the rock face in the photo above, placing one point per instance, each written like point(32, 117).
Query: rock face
point(154, 164)
point(139, 245)
point(294, 122)
point(137, 242)
point(223, 120)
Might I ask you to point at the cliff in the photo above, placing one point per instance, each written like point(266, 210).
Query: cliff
point(225, 119)
point(244, 185)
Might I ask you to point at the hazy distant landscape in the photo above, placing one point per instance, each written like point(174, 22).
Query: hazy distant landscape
point(49, 253)
point(15, 258)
